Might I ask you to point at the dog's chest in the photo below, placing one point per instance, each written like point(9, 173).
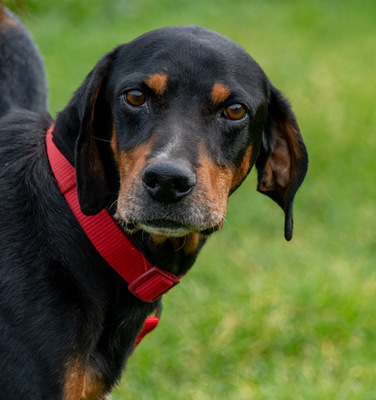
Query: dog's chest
point(91, 373)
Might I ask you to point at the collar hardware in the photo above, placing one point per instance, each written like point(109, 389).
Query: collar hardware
point(151, 283)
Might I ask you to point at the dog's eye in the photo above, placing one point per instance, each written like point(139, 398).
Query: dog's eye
point(135, 98)
point(235, 112)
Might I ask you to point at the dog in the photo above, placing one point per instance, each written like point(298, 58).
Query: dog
point(22, 73)
point(159, 134)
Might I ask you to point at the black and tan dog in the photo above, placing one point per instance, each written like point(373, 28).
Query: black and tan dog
point(161, 132)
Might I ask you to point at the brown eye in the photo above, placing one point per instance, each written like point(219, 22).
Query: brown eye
point(235, 112)
point(135, 98)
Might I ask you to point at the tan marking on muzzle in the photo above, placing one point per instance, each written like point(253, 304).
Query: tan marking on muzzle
point(131, 164)
point(215, 185)
point(114, 146)
point(158, 239)
point(187, 243)
point(241, 173)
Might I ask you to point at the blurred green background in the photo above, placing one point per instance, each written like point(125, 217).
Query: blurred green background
point(257, 317)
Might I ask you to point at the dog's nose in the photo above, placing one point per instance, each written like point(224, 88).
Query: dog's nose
point(167, 181)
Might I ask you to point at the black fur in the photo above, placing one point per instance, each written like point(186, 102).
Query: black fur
point(59, 300)
point(22, 74)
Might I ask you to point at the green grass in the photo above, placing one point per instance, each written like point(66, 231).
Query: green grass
point(257, 317)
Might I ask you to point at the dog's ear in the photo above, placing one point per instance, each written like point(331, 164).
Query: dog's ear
point(283, 160)
point(95, 123)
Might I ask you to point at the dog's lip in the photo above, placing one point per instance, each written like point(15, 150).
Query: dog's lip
point(169, 224)
point(168, 228)
point(166, 231)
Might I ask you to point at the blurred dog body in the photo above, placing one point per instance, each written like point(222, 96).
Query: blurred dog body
point(22, 74)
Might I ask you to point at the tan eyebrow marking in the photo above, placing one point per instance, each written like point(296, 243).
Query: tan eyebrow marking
point(157, 83)
point(220, 93)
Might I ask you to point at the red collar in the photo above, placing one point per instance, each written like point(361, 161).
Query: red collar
point(145, 281)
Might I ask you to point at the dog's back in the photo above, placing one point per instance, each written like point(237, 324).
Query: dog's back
point(22, 75)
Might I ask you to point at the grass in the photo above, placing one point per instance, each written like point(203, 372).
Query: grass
point(259, 318)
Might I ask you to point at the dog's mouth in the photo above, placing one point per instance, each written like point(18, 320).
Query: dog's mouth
point(167, 228)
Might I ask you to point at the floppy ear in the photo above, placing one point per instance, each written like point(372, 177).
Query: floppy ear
point(95, 123)
point(283, 160)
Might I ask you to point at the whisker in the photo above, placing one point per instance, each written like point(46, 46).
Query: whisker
point(184, 242)
point(113, 204)
point(102, 140)
point(228, 223)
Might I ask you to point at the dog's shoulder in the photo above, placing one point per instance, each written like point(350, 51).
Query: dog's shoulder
point(22, 136)
point(24, 174)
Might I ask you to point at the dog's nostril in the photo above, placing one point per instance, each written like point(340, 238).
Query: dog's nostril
point(167, 181)
point(150, 180)
point(182, 184)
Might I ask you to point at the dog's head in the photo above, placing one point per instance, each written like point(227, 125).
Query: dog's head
point(172, 122)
